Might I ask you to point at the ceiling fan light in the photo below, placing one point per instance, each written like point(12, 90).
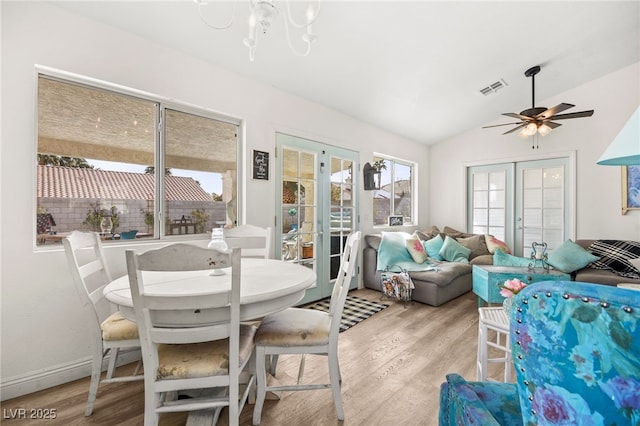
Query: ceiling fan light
point(531, 129)
point(544, 130)
point(523, 133)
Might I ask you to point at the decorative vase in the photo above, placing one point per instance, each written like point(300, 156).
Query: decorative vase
point(217, 242)
point(105, 225)
point(506, 305)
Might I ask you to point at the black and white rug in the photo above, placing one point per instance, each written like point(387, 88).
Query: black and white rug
point(356, 309)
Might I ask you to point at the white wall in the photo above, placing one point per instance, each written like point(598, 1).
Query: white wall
point(44, 341)
point(43, 338)
point(599, 196)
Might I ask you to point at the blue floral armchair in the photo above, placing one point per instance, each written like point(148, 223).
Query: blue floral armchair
point(576, 351)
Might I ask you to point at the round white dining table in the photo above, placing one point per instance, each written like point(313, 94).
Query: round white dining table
point(267, 286)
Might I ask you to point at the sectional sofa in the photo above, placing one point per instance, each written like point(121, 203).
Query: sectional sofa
point(448, 280)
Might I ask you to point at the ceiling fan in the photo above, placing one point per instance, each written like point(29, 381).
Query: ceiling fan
point(539, 119)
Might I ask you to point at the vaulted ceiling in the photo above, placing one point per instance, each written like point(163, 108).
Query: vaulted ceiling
point(415, 68)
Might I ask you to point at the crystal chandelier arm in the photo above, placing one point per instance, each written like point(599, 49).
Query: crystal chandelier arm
point(311, 17)
point(251, 41)
point(309, 39)
point(201, 3)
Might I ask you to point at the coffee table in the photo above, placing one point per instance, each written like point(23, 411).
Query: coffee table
point(488, 278)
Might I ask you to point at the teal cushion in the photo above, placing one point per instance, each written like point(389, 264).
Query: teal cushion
point(433, 247)
point(453, 251)
point(501, 258)
point(570, 257)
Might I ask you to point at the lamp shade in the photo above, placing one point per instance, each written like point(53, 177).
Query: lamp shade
point(625, 148)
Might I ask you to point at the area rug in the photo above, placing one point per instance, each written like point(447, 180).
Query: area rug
point(356, 309)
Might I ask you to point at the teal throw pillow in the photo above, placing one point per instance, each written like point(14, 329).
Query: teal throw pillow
point(453, 251)
point(570, 257)
point(501, 258)
point(433, 247)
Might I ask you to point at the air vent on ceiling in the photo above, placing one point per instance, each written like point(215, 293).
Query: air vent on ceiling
point(493, 87)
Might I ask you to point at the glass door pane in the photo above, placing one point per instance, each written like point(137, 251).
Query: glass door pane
point(489, 202)
point(542, 204)
point(342, 210)
point(299, 206)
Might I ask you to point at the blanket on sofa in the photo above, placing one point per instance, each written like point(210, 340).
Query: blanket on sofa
point(615, 256)
point(393, 252)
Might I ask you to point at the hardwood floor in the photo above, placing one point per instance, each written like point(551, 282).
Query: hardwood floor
point(392, 365)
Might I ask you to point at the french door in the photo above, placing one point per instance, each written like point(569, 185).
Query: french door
point(542, 204)
point(317, 207)
point(522, 202)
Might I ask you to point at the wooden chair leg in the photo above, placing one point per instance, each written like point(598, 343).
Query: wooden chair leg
point(96, 370)
point(301, 369)
point(335, 378)
point(113, 357)
point(261, 384)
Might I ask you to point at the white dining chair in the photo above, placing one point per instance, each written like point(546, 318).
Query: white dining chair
point(306, 331)
point(111, 334)
point(210, 357)
point(253, 240)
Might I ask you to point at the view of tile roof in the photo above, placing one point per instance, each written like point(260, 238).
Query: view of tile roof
point(74, 182)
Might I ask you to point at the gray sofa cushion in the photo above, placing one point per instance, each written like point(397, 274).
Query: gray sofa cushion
point(602, 276)
point(445, 273)
point(476, 244)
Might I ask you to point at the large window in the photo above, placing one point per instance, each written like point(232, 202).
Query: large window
point(394, 191)
point(99, 156)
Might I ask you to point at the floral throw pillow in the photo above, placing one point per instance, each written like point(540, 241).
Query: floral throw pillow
point(494, 244)
point(416, 249)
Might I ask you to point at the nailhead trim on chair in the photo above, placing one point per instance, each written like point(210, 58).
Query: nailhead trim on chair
point(603, 304)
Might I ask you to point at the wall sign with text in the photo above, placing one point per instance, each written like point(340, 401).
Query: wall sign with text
point(260, 163)
point(396, 220)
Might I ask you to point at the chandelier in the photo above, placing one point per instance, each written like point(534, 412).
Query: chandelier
point(261, 14)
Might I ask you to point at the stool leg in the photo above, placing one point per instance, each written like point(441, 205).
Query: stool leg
point(482, 352)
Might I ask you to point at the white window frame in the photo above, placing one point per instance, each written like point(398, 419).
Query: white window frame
point(413, 187)
point(163, 103)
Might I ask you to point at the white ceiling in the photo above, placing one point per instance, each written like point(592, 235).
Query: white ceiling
point(414, 68)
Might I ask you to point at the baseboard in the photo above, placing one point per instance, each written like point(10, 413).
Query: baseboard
point(36, 381)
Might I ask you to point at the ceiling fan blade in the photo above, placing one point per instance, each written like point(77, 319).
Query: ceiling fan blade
point(554, 110)
point(514, 115)
point(572, 115)
point(552, 124)
point(515, 128)
point(505, 124)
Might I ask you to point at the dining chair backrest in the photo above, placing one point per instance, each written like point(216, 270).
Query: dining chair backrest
point(110, 333)
point(253, 240)
point(200, 366)
point(183, 257)
point(90, 274)
point(343, 281)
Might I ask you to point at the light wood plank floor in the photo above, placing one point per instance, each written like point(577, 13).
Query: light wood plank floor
point(392, 366)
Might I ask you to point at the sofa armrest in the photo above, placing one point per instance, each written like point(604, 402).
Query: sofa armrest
point(370, 276)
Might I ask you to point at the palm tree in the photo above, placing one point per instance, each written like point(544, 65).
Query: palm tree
point(151, 170)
